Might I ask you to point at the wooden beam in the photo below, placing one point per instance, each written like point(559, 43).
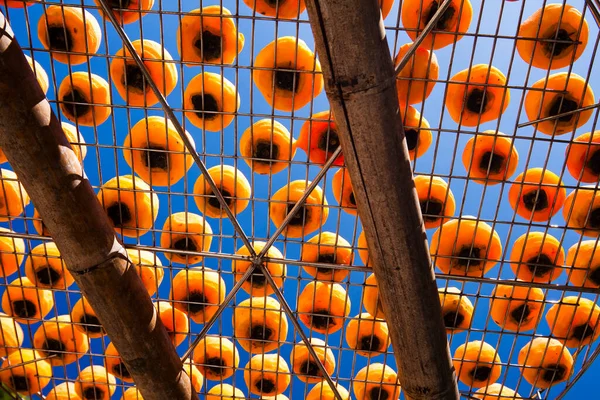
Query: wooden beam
point(360, 84)
point(34, 143)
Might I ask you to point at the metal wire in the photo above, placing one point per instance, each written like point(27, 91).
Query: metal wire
point(492, 38)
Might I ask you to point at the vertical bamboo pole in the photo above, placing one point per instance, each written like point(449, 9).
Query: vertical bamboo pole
point(360, 84)
point(34, 143)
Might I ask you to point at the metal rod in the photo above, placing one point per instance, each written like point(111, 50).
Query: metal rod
point(515, 282)
point(557, 116)
point(300, 202)
point(288, 311)
point(180, 131)
point(35, 145)
point(360, 85)
point(593, 6)
point(588, 363)
point(26, 362)
point(428, 28)
point(217, 314)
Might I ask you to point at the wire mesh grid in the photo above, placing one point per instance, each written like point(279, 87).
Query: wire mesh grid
point(500, 253)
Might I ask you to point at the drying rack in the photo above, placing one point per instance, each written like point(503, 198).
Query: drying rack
point(490, 39)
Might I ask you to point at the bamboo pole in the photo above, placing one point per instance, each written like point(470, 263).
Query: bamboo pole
point(34, 143)
point(360, 84)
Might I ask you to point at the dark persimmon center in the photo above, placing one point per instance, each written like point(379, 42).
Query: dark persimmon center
point(134, 79)
point(478, 101)
point(469, 256)
point(93, 393)
point(431, 209)
point(445, 21)
point(520, 314)
point(185, 244)
point(119, 214)
point(90, 323)
point(258, 279)
point(536, 200)
point(59, 38)
point(19, 382)
point(412, 138)
point(265, 386)
point(120, 4)
point(554, 373)
point(326, 258)
point(75, 103)
point(594, 276)
point(205, 105)
point(214, 202)
point(261, 333)
point(310, 368)
point(369, 343)
point(557, 42)
point(593, 162)
point(493, 162)
point(582, 332)
point(540, 265)
point(287, 80)
point(275, 3)
point(156, 158)
point(55, 347)
point(216, 366)
point(453, 319)
point(208, 46)
point(328, 140)
point(562, 104)
point(378, 393)
point(300, 217)
point(352, 199)
point(321, 319)
point(594, 219)
point(46, 275)
point(196, 302)
point(121, 370)
point(481, 373)
point(265, 150)
point(24, 308)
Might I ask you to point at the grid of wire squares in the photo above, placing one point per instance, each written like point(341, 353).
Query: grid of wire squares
point(196, 265)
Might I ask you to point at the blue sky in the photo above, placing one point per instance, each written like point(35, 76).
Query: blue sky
point(104, 161)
